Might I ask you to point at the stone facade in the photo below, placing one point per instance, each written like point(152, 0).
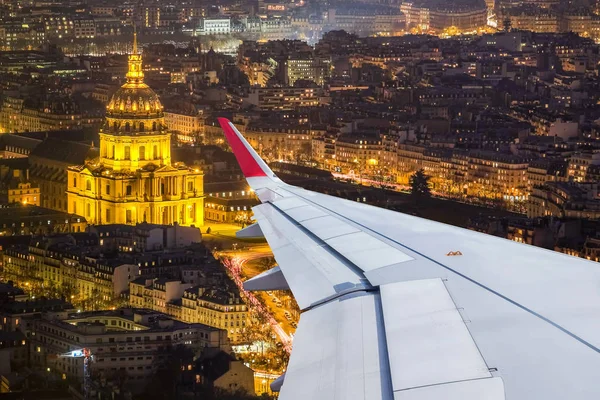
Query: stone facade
point(133, 180)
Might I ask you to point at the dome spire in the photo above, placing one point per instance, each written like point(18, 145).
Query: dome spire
point(135, 75)
point(135, 50)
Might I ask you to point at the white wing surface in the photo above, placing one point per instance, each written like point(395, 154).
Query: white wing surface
point(399, 307)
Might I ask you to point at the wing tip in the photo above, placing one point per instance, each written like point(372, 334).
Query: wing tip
point(223, 121)
point(245, 155)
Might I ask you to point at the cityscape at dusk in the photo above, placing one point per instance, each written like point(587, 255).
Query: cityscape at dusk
point(229, 199)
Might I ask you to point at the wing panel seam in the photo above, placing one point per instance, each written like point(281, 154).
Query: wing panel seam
point(442, 383)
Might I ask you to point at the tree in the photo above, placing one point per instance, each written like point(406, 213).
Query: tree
point(419, 183)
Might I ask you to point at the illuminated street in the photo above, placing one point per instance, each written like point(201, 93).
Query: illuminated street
point(234, 265)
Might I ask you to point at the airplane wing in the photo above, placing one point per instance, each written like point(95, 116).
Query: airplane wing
point(400, 307)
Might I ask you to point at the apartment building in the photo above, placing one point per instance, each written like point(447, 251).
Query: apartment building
point(580, 163)
point(564, 200)
point(68, 262)
point(214, 26)
point(218, 307)
point(19, 114)
point(229, 202)
point(305, 66)
point(282, 141)
point(131, 340)
point(281, 98)
point(358, 153)
point(498, 176)
point(187, 127)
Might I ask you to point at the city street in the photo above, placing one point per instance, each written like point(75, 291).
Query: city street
point(243, 260)
point(234, 266)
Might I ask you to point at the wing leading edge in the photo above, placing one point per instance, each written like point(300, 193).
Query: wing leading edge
point(500, 320)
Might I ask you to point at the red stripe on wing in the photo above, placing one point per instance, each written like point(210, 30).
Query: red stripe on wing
point(248, 164)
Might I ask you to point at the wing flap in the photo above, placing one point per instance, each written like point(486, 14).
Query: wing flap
point(428, 342)
point(339, 353)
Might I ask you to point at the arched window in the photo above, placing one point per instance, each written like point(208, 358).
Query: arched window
point(141, 127)
point(154, 126)
point(115, 126)
point(127, 155)
point(88, 185)
point(155, 152)
point(142, 152)
point(127, 126)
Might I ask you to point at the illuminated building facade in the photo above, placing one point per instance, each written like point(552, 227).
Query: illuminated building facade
point(19, 114)
point(23, 193)
point(357, 153)
point(533, 19)
point(307, 67)
point(186, 126)
point(464, 18)
point(229, 202)
point(282, 98)
point(133, 180)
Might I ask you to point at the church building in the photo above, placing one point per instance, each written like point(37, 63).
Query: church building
point(133, 179)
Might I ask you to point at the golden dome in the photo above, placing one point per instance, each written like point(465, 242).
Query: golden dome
point(134, 101)
point(135, 107)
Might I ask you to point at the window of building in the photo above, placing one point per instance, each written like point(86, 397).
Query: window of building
point(128, 190)
point(107, 215)
point(127, 155)
point(142, 152)
point(88, 185)
point(107, 189)
point(75, 181)
point(88, 211)
point(155, 152)
point(190, 186)
point(128, 216)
